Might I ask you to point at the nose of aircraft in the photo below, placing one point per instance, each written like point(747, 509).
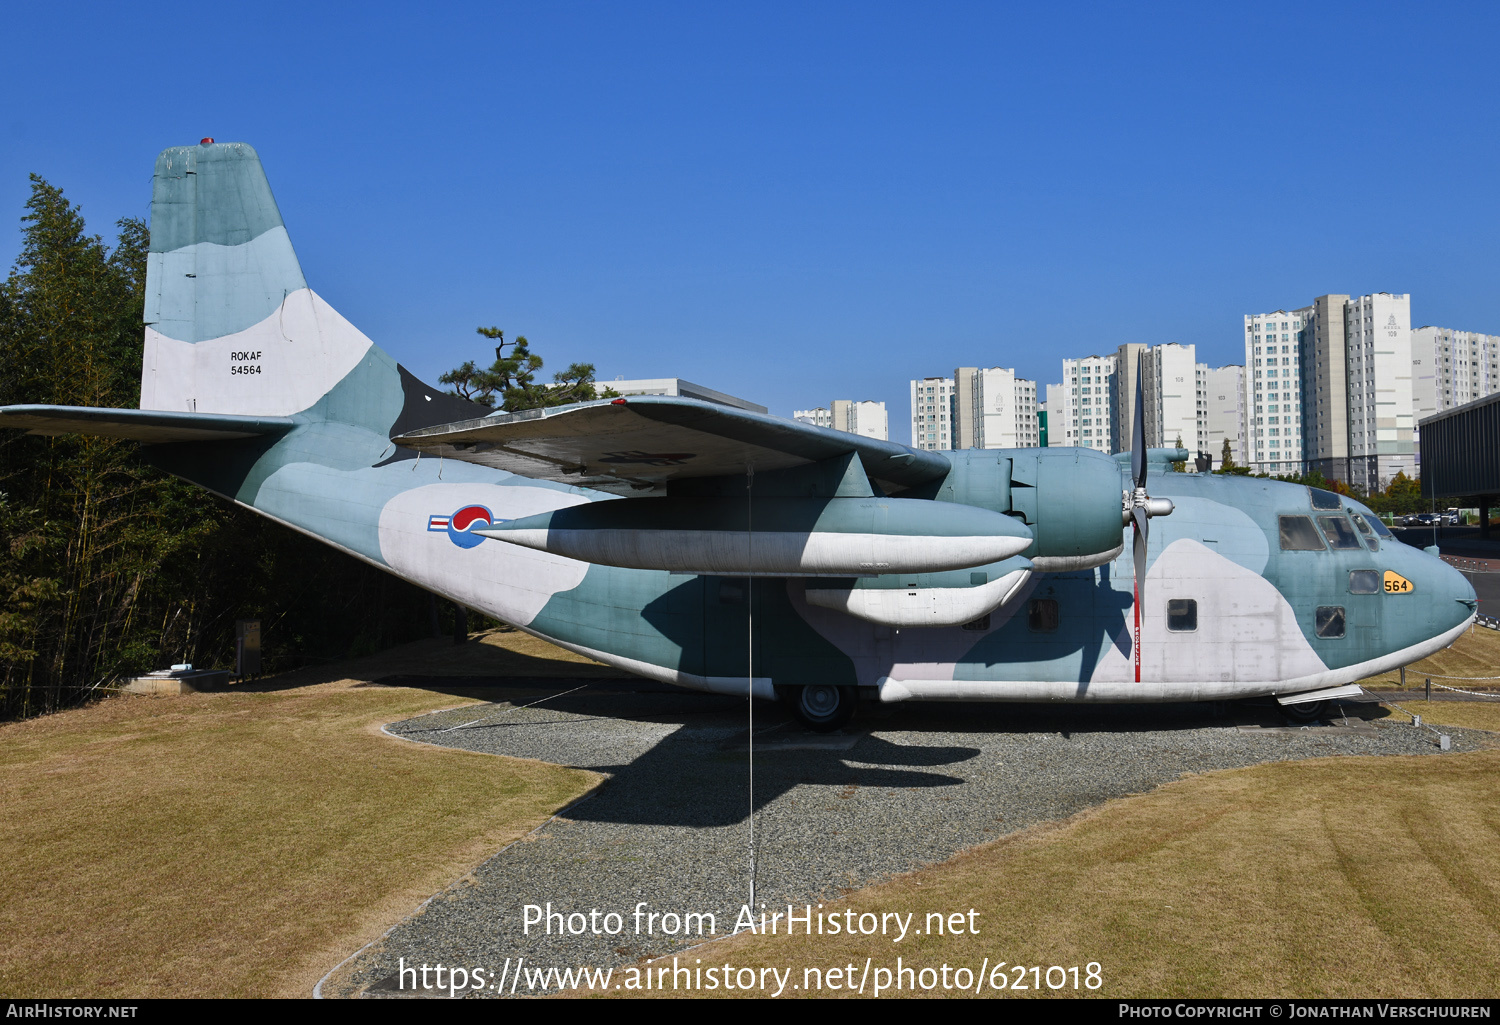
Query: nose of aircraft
point(1449, 582)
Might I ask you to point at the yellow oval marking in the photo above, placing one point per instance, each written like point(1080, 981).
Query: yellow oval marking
point(1395, 583)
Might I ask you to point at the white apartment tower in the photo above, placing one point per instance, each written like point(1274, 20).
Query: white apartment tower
point(1085, 416)
point(1450, 368)
point(1221, 397)
point(993, 408)
point(932, 409)
point(1273, 392)
point(866, 418)
point(820, 417)
point(1379, 364)
point(1170, 390)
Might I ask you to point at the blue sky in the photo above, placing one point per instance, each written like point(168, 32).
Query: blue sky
point(802, 202)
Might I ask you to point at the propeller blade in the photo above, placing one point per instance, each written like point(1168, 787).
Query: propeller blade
point(1138, 431)
point(1142, 538)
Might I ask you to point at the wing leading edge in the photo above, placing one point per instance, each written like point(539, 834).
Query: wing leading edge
point(148, 426)
point(644, 442)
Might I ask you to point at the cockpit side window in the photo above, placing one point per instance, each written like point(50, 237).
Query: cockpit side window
point(1299, 535)
point(1324, 499)
point(1380, 528)
point(1340, 534)
point(1360, 525)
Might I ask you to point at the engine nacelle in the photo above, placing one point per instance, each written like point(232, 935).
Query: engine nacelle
point(790, 536)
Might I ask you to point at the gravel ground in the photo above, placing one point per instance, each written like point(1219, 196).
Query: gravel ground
point(905, 786)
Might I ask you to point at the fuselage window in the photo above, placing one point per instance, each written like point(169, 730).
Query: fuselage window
point(1182, 615)
point(1041, 615)
point(1340, 534)
point(1364, 581)
point(1329, 621)
point(1324, 499)
point(1299, 535)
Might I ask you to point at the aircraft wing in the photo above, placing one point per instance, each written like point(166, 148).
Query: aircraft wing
point(642, 442)
point(148, 426)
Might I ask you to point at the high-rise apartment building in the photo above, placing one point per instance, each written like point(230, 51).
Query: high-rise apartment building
point(1273, 392)
point(1085, 417)
point(1325, 436)
point(994, 409)
point(1450, 368)
point(1350, 395)
point(1057, 433)
point(865, 418)
point(975, 408)
point(1381, 442)
point(1170, 390)
point(932, 411)
point(1221, 399)
point(820, 417)
point(1127, 365)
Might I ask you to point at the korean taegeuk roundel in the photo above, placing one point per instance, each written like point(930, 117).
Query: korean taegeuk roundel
point(459, 525)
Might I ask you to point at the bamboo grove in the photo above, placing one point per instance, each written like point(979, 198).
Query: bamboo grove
point(110, 567)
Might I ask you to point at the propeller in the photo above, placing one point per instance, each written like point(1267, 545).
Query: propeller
point(1140, 507)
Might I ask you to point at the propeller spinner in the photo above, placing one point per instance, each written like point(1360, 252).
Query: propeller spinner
point(1139, 507)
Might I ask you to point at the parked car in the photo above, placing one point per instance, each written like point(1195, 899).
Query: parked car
point(1451, 517)
point(1426, 519)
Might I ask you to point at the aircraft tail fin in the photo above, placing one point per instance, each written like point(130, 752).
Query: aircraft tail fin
point(231, 326)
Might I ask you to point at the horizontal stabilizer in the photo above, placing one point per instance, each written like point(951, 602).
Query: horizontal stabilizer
point(644, 442)
point(148, 426)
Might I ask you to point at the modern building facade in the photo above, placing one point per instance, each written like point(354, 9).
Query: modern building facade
point(1127, 366)
point(1085, 416)
point(867, 418)
point(1273, 392)
point(975, 408)
point(1221, 398)
point(1450, 368)
point(994, 409)
point(820, 417)
point(932, 413)
point(1170, 391)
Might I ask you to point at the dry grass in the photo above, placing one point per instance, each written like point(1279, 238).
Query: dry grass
point(1331, 878)
point(242, 843)
point(1476, 653)
point(1475, 715)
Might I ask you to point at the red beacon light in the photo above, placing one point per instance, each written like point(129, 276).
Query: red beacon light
point(206, 141)
point(618, 402)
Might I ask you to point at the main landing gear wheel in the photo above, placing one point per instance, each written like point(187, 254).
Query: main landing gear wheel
point(1305, 711)
point(820, 707)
